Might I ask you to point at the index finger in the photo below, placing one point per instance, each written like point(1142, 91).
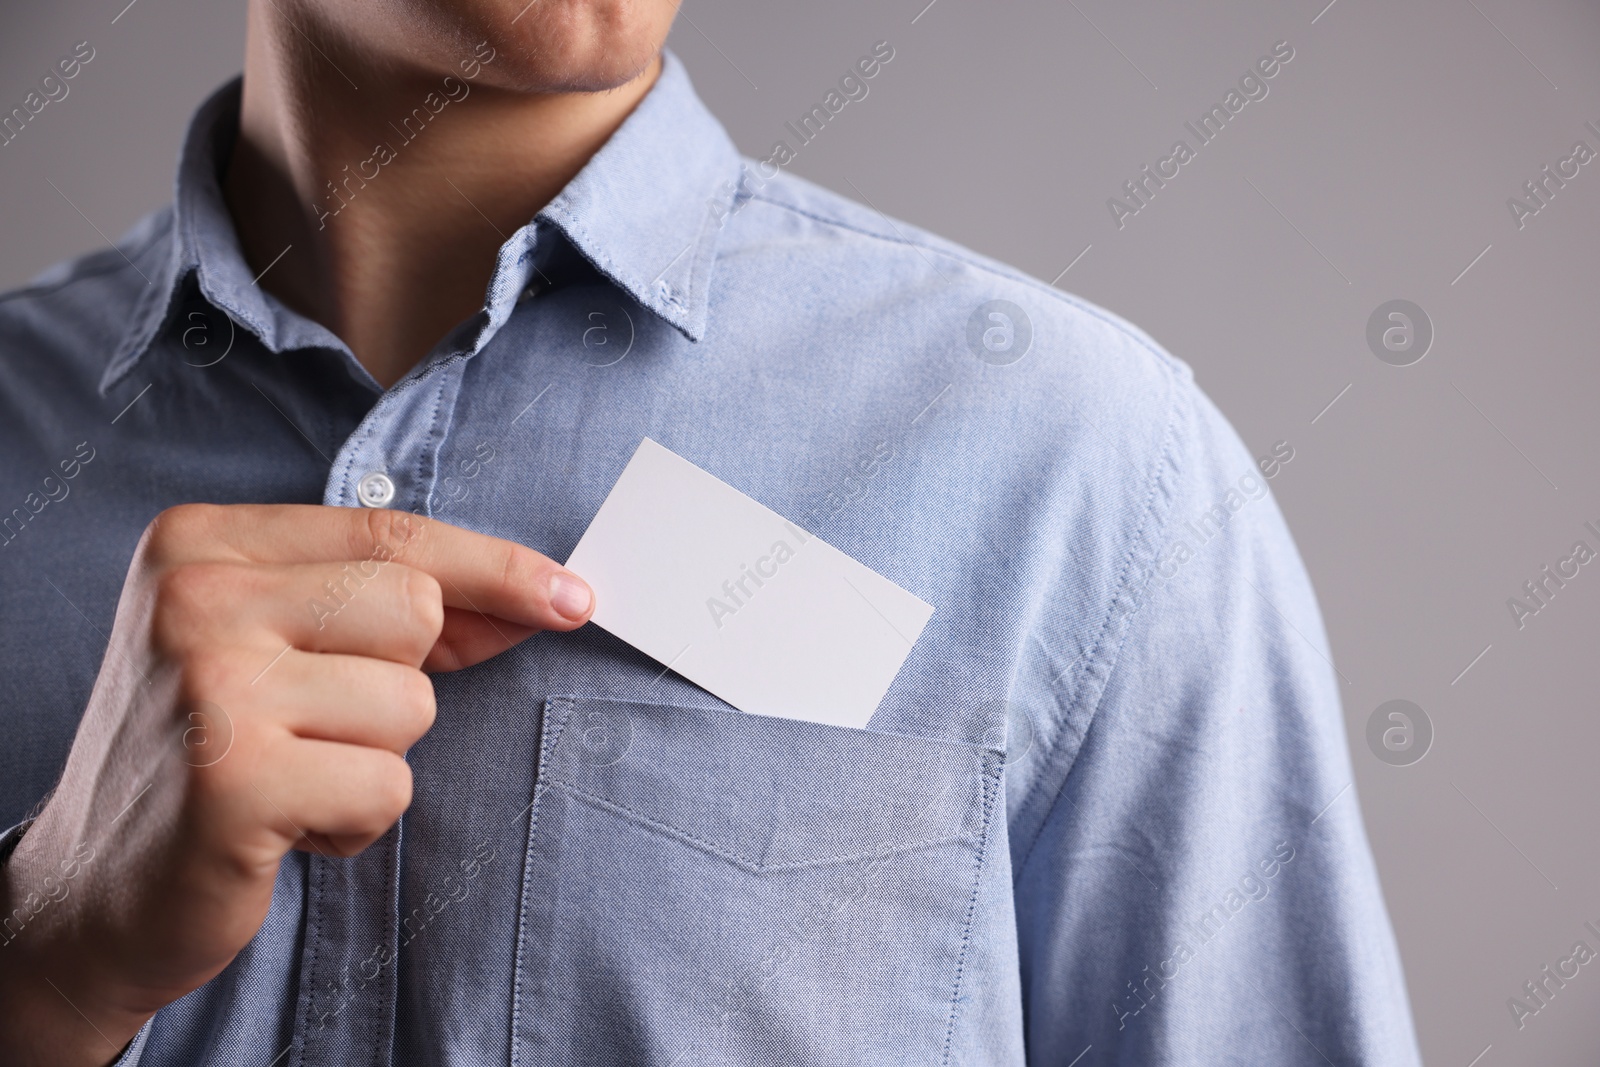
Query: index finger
point(476, 572)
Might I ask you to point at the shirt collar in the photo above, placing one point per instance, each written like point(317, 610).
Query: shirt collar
point(644, 210)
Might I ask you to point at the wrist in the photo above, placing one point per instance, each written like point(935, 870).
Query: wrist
point(55, 1012)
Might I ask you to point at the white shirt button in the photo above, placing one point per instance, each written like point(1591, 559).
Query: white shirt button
point(375, 489)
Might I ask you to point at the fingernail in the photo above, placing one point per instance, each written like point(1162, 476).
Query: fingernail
point(570, 595)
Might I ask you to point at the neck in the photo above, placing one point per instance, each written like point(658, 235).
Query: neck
point(393, 198)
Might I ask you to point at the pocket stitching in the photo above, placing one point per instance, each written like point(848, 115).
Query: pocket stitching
point(992, 786)
point(546, 745)
point(745, 861)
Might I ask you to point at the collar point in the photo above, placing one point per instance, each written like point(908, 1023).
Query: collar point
point(689, 320)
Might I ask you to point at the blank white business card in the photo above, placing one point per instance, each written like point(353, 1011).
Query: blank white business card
point(739, 600)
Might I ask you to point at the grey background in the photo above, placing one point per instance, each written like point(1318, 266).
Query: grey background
point(1381, 162)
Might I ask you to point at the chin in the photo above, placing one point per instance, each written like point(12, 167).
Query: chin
point(545, 46)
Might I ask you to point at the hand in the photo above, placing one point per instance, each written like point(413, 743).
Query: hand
point(264, 678)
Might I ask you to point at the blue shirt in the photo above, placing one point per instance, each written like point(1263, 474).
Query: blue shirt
point(1105, 810)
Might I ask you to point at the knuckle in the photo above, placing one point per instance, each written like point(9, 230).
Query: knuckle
point(186, 587)
point(187, 596)
point(347, 847)
point(213, 787)
point(524, 574)
point(520, 567)
point(417, 701)
point(219, 785)
point(173, 532)
point(384, 534)
point(207, 678)
point(392, 789)
point(424, 600)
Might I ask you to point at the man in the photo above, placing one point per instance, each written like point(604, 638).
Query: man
point(427, 282)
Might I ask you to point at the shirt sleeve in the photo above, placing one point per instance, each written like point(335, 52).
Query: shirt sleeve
point(1193, 882)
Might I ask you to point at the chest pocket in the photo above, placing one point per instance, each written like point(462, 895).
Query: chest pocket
point(709, 887)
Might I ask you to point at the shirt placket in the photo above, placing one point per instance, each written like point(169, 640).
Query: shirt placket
point(350, 956)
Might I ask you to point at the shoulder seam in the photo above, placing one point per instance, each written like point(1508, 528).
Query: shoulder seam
point(1010, 275)
point(925, 246)
point(1142, 549)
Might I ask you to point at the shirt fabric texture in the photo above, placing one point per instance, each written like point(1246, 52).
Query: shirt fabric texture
point(1105, 810)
